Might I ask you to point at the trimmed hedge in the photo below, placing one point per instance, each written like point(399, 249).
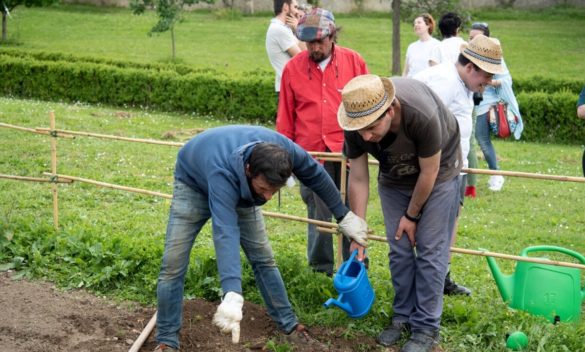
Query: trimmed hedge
point(205, 92)
point(547, 84)
point(551, 117)
point(548, 106)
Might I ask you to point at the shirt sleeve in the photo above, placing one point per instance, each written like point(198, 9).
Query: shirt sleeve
point(351, 148)
point(285, 39)
point(223, 200)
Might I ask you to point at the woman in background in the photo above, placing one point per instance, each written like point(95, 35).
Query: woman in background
point(418, 53)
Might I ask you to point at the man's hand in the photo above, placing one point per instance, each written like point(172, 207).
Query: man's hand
point(355, 228)
point(292, 22)
point(408, 227)
point(229, 315)
point(361, 256)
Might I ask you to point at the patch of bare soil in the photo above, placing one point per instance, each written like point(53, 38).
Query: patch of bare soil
point(36, 316)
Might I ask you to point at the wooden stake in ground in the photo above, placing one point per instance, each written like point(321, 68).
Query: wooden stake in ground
point(342, 188)
point(143, 335)
point(54, 188)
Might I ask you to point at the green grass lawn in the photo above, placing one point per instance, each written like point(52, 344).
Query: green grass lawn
point(549, 43)
point(111, 241)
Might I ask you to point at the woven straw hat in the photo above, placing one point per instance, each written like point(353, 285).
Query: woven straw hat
point(485, 52)
point(365, 99)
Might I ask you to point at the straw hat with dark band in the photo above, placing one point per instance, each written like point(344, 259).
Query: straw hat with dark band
point(485, 52)
point(365, 99)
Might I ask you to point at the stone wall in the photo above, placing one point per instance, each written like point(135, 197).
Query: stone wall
point(346, 6)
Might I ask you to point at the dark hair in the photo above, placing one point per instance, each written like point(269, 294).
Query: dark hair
point(272, 161)
point(481, 26)
point(278, 4)
point(449, 24)
point(463, 60)
point(429, 21)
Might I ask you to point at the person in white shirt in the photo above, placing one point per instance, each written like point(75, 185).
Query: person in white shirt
point(455, 84)
point(418, 53)
point(281, 43)
point(448, 49)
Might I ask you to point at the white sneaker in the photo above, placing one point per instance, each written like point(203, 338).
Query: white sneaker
point(495, 183)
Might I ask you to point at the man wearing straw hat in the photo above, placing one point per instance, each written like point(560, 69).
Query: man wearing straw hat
point(307, 109)
point(407, 128)
point(225, 174)
point(455, 84)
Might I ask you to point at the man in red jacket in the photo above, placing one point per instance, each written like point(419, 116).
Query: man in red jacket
point(310, 94)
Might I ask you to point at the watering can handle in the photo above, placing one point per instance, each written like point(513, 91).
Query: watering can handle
point(351, 259)
point(553, 249)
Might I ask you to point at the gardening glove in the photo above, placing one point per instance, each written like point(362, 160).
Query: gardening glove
point(229, 315)
point(355, 228)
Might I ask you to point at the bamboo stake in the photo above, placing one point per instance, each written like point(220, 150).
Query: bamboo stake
point(113, 186)
point(106, 136)
point(144, 334)
point(336, 156)
point(20, 128)
point(342, 190)
point(32, 179)
point(54, 189)
point(526, 175)
point(45, 131)
point(513, 174)
point(517, 258)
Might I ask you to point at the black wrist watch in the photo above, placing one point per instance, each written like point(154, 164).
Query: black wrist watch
point(414, 219)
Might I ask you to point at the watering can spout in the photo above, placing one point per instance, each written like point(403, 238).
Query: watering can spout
point(505, 283)
point(345, 306)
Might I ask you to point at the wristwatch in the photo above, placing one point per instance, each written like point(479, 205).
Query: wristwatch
point(414, 219)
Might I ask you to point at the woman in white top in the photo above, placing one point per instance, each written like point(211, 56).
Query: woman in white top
point(418, 53)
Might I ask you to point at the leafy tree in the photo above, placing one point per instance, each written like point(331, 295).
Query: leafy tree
point(7, 6)
point(169, 13)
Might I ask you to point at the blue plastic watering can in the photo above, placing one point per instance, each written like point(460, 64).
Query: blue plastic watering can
point(355, 292)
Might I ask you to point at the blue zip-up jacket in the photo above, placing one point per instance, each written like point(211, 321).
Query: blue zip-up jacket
point(213, 163)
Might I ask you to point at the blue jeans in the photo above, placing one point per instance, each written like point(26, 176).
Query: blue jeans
point(482, 134)
point(320, 244)
point(418, 277)
point(189, 212)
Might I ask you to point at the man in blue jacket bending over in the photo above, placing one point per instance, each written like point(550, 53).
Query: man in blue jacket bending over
point(226, 174)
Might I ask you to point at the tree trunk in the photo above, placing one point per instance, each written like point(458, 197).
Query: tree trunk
point(173, 41)
point(396, 38)
point(4, 25)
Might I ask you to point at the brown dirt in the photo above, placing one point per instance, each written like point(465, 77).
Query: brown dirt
point(36, 316)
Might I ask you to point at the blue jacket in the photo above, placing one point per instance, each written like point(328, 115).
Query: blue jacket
point(213, 164)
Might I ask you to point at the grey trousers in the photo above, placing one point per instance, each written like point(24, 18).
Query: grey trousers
point(320, 244)
point(418, 276)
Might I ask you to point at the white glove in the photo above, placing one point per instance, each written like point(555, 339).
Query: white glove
point(229, 315)
point(355, 228)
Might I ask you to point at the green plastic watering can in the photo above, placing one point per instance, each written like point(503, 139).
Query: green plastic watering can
point(551, 291)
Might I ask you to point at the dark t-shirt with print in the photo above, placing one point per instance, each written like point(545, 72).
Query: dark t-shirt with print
point(427, 126)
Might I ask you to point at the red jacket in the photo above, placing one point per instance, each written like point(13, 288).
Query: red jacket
point(309, 98)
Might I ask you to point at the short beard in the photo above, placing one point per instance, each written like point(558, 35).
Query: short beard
point(317, 57)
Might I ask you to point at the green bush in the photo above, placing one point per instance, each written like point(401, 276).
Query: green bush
point(547, 84)
point(547, 105)
point(551, 117)
point(205, 92)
